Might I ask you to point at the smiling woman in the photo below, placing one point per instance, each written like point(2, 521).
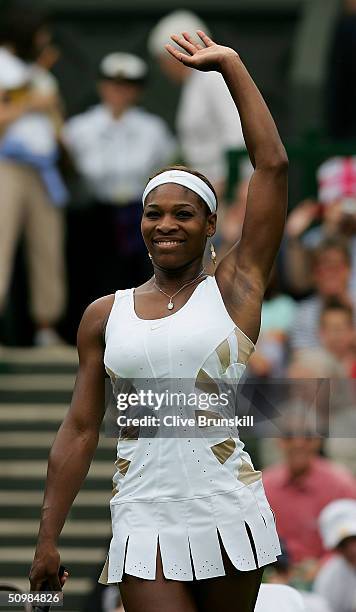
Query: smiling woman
point(192, 528)
point(179, 214)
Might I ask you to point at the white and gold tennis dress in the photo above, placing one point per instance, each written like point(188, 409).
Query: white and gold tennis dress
point(188, 491)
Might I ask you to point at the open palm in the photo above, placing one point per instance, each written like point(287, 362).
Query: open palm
point(205, 57)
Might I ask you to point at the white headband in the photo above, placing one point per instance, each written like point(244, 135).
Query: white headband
point(186, 179)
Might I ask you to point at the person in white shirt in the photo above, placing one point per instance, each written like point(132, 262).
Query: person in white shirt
point(114, 146)
point(32, 190)
point(336, 581)
point(207, 123)
point(273, 597)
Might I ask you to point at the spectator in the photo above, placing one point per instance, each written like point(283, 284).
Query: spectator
point(278, 312)
point(230, 226)
point(336, 580)
point(321, 387)
point(112, 601)
point(115, 146)
point(313, 392)
point(273, 597)
point(336, 213)
point(232, 222)
point(207, 122)
point(298, 489)
point(32, 191)
point(338, 335)
point(331, 273)
point(283, 572)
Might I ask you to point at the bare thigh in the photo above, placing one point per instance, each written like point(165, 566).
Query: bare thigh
point(235, 592)
point(159, 595)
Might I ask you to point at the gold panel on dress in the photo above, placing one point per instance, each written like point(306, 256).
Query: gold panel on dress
point(122, 465)
point(130, 432)
point(205, 383)
point(111, 374)
point(224, 450)
point(246, 346)
point(247, 474)
point(223, 352)
point(209, 414)
point(103, 578)
point(114, 491)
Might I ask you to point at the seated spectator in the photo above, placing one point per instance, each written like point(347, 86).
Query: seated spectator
point(299, 487)
point(278, 312)
point(336, 212)
point(284, 572)
point(334, 405)
point(231, 216)
point(314, 391)
point(336, 581)
point(274, 597)
point(338, 334)
point(331, 273)
point(111, 600)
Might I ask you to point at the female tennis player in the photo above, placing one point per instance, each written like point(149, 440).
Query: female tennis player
point(192, 528)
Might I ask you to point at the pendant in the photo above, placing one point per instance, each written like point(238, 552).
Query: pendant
point(170, 305)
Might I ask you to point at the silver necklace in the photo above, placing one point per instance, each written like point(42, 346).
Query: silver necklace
point(170, 304)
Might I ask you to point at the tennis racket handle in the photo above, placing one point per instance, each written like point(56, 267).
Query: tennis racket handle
point(45, 587)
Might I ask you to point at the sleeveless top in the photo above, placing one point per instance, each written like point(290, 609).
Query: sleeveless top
point(181, 486)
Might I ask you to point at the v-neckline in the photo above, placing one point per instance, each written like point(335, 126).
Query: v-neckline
point(174, 314)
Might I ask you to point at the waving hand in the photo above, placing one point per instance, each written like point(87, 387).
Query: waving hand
point(206, 56)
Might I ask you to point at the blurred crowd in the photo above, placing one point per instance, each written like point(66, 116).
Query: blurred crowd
point(71, 191)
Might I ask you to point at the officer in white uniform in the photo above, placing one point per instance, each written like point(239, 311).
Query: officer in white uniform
point(207, 122)
point(115, 147)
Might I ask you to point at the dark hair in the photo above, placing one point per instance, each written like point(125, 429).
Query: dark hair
point(19, 26)
point(336, 304)
point(338, 243)
point(195, 173)
point(341, 545)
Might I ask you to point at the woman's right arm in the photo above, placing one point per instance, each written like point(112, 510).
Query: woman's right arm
point(75, 444)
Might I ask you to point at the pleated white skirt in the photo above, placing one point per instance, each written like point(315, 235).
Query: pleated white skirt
point(188, 533)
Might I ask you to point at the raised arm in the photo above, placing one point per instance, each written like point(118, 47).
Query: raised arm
point(267, 195)
point(74, 446)
point(244, 272)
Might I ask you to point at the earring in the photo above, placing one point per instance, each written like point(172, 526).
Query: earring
point(212, 253)
point(149, 255)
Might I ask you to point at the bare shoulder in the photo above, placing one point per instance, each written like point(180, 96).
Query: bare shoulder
point(93, 321)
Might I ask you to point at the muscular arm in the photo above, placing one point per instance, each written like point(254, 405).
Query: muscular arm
point(243, 274)
point(77, 438)
point(267, 194)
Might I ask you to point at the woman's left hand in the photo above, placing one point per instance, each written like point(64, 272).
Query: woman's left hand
point(205, 58)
